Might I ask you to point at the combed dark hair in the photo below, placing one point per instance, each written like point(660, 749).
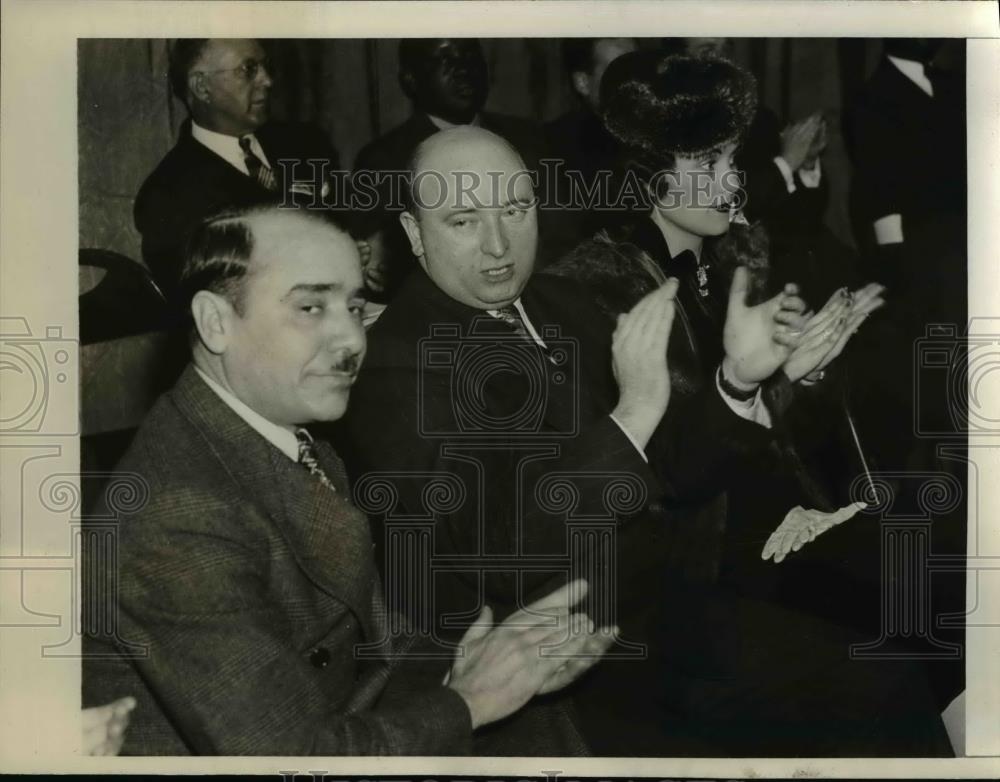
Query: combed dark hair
point(219, 250)
point(660, 107)
point(183, 55)
point(218, 256)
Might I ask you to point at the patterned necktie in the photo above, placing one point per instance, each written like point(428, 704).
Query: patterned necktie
point(307, 457)
point(263, 175)
point(512, 318)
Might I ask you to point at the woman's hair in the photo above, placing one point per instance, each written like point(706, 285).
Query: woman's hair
point(660, 107)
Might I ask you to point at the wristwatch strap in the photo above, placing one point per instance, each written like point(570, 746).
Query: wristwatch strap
point(732, 391)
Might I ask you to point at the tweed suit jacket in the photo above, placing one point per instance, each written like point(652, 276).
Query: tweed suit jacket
point(249, 584)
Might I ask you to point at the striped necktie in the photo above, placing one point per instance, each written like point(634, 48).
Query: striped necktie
point(307, 457)
point(512, 318)
point(263, 175)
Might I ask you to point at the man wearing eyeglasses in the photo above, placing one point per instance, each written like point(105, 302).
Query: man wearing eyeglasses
point(228, 154)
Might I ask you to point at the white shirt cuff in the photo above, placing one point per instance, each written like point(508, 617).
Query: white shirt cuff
point(786, 173)
point(889, 229)
point(811, 176)
point(631, 439)
point(752, 409)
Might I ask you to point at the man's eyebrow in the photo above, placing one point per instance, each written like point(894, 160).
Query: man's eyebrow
point(516, 201)
point(312, 287)
point(462, 210)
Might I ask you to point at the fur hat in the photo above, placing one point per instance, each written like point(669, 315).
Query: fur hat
point(660, 107)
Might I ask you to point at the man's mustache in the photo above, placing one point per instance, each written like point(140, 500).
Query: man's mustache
point(349, 362)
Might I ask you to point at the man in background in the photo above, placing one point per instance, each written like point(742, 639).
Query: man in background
point(579, 139)
point(228, 153)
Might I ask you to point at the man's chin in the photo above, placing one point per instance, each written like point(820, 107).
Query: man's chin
point(258, 116)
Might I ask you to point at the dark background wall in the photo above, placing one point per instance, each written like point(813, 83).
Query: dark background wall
point(128, 119)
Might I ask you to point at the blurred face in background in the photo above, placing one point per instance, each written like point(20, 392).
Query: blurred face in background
point(604, 51)
point(446, 78)
point(231, 86)
point(709, 47)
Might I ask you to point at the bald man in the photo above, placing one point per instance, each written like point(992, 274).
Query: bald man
point(498, 437)
point(500, 384)
point(251, 620)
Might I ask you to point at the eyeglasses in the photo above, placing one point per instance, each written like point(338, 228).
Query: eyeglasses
point(247, 70)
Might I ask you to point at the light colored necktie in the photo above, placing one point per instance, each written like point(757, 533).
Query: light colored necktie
point(307, 457)
point(256, 168)
point(512, 318)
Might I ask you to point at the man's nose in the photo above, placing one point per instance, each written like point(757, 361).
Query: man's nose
point(264, 78)
point(345, 332)
point(494, 238)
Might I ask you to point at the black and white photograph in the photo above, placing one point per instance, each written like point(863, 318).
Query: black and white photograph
point(493, 398)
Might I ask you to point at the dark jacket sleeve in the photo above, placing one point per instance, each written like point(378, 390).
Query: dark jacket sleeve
point(219, 661)
point(507, 495)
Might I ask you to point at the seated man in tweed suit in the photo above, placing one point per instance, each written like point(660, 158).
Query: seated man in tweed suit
point(248, 616)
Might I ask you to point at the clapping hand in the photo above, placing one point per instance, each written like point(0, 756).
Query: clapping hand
point(502, 667)
point(801, 526)
point(373, 270)
point(799, 140)
point(104, 727)
point(753, 353)
point(818, 144)
point(639, 362)
point(825, 334)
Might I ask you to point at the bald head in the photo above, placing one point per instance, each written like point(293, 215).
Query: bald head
point(472, 219)
point(465, 162)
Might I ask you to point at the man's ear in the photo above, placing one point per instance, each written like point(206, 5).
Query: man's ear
point(198, 87)
point(408, 83)
point(581, 83)
point(213, 318)
point(412, 228)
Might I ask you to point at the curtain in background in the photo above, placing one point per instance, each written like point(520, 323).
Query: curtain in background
point(128, 119)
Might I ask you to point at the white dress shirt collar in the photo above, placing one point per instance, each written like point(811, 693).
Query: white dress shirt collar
point(914, 71)
point(281, 438)
point(443, 124)
point(227, 147)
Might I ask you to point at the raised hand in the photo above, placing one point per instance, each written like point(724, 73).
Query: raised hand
point(818, 144)
point(826, 333)
point(501, 668)
point(752, 352)
point(797, 140)
point(639, 361)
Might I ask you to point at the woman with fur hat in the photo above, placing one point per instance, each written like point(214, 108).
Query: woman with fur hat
point(679, 120)
point(749, 676)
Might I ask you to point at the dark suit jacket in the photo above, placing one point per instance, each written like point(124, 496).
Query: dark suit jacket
point(768, 198)
point(249, 584)
point(909, 148)
point(501, 452)
point(192, 183)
